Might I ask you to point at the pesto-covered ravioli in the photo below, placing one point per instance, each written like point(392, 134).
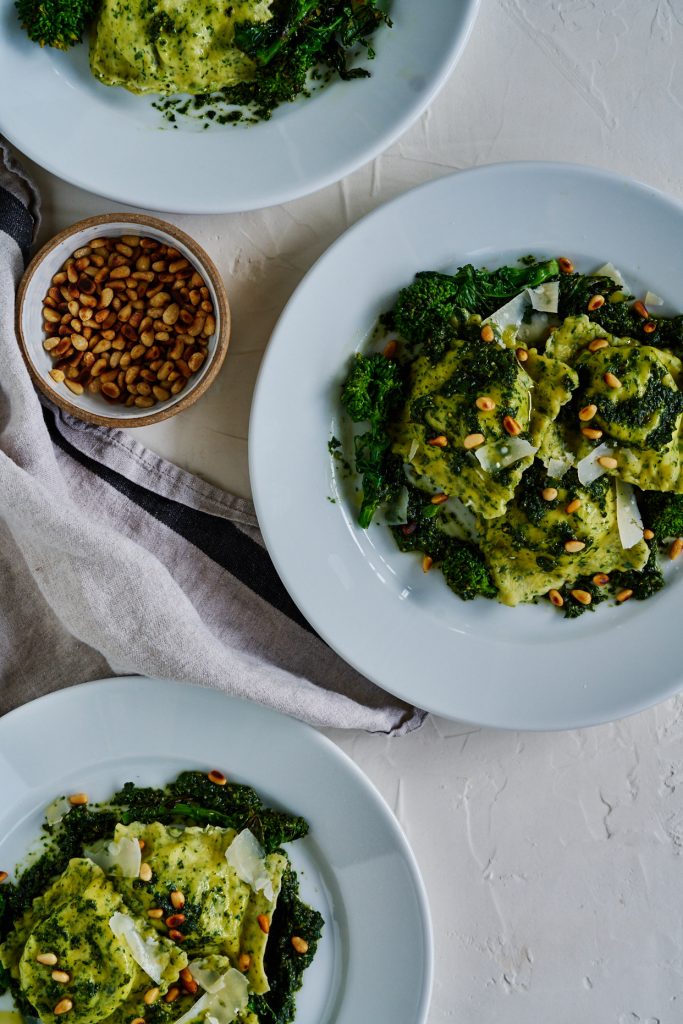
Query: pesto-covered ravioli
point(172, 45)
point(442, 400)
point(525, 549)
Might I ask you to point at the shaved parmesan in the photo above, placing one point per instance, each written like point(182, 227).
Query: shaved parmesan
point(246, 856)
point(123, 853)
point(629, 520)
point(503, 454)
point(147, 953)
point(222, 1004)
point(589, 469)
point(546, 297)
point(57, 810)
point(414, 445)
point(457, 520)
point(535, 330)
point(651, 299)
point(609, 270)
point(511, 314)
point(558, 467)
point(206, 977)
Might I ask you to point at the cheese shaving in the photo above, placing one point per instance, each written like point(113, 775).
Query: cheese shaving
point(147, 953)
point(122, 853)
point(503, 454)
point(609, 270)
point(652, 299)
point(629, 519)
point(589, 469)
point(511, 314)
point(222, 1004)
point(246, 856)
point(546, 297)
point(558, 467)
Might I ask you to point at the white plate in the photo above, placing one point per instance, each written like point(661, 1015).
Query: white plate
point(525, 668)
point(375, 958)
point(114, 143)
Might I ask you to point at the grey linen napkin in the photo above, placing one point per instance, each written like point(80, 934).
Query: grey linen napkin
point(113, 561)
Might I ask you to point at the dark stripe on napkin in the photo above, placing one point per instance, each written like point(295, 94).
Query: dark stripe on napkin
point(217, 538)
point(16, 221)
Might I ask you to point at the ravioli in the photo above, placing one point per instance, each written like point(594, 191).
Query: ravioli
point(172, 45)
point(442, 401)
point(525, 548)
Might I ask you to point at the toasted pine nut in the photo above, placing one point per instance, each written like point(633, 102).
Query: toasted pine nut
point(592, 433)
point(48, 959)
point(607, 462)
point(389, 349)
point(244, 962)
point(172, 994)
point(587, 413)
point(675, 549)
point(186, 975)
point(601, 579)
point(566, 266)
point(439, 442)
point(155, 913)
point(485, 403)
point(300, 945)
point(572, 547)
point(624, 595)
point(595, 303)
point(145, 874)
point(511, 425)
point(556, 598)
point(522, 354)
point(473, 441)
point(598, 343)
point(641, 309)
point(549, 493)
point(63, 1006)
point(175, 935)
point(438, 499)
point(62, 977)
point(74, 386)
point(177, 899)
point(650, 326)
point(217, 777)
point(573, 506)
point(151, 996)
point(175, 920)
point(486, 334)
point(582, 596)
point(138, 1020)
point(648, 534)
point(57, 376)
point(263, 923)
point(611, 381)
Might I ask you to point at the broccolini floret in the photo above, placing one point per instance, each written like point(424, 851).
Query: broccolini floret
point(662, 513)
point(58, 23)
point(466, 573)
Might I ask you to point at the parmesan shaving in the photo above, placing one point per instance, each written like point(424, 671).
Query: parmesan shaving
point(122, 853)
point(546, 297)
point(629, 520)
point(147, 953)
point(511, 314)
point(206, 977)
point(558, 467)
point(223, 1003)
point(246, 856)
point(535, 330)
point(57, 810)
point(651, 299)
point(503, 454)
point(414, 445)
point(589, 469)
point(609, 270)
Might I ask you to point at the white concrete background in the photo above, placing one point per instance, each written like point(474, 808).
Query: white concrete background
point(552, 862)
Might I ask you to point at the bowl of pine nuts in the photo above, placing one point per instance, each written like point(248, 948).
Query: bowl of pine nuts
point(123, 320)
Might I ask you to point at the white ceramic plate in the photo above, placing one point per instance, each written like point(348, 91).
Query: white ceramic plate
point(525, 668)
point(114, 143)
point(375, 958)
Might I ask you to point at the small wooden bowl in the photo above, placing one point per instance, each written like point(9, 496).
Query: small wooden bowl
point(29, 319)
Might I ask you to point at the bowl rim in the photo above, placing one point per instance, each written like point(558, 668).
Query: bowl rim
point(206, 264)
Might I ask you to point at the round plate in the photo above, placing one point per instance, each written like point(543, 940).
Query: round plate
point(355, 865)
point(114, 143)
point(523, 668)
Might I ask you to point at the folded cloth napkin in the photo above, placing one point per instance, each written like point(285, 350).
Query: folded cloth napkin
point(113, 561)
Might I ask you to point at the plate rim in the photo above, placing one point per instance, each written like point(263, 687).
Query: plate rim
point(330, 751)
point(581, 719)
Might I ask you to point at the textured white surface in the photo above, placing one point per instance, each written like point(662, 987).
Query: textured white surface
point(552, 862)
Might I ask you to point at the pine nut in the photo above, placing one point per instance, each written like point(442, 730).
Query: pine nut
point(522, 354)
point(151, 996)
point(155, 913)
point(438, 499)
point(556, 598)
point(601, 579)
point(611, 381)
point(145, 874)
point(598, 343)
point(172, 994)
point(63, 1006)
point(48, 959)
point(549, 493)
point(592, 433)
point(648, 534)
point(485, 403)
point(437, 442)
point(389, 349)
point(62, 977)
point(218, 778)
point(607, 462)
point(244, 962)
point(573, 506)
point(572, 547)
point(641, 309)
point(177, 899)
point(511, 425)
point(582, 596)
point(595, 303)
point(74, 386)
point(57, 376)
point(588, 412)
point(175, 935)
point(300, 945)
point(486, 333)
point(676, 549)
point(263, 923)
point(650, 326)
point(566, 266)
point(624, 595)
point(473, 441)
point(175, 920)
